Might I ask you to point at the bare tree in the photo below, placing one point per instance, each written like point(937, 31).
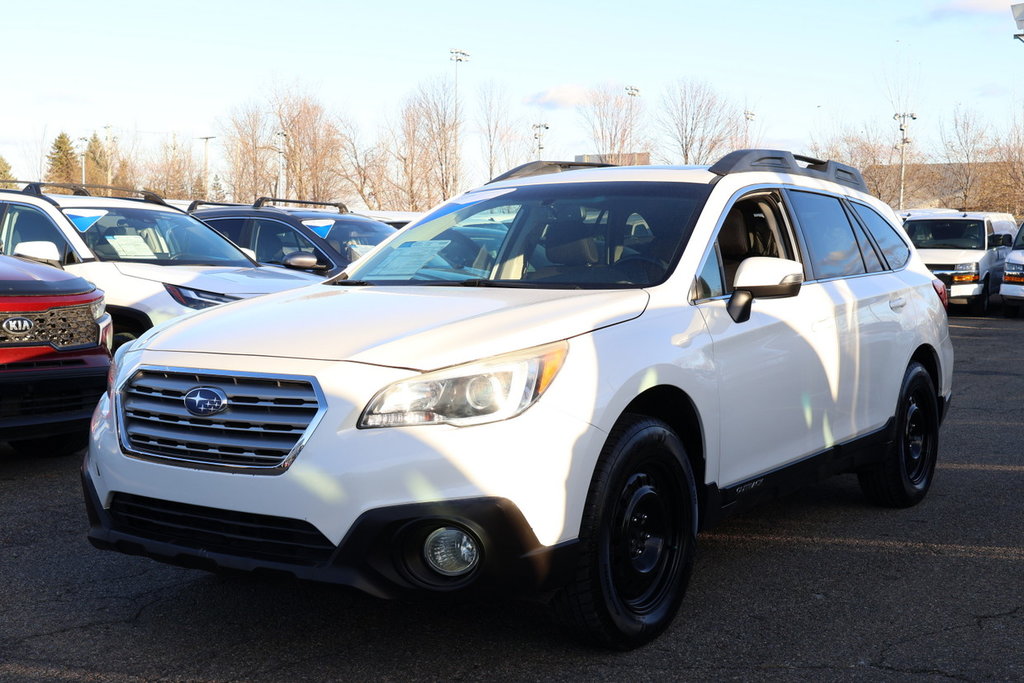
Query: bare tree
point(364, 167)
point(504, 145)
point(438, 112)
point(250, 154)
point(175, 172)
point(966, 146)
point(312, 145)
point(408, 160)
point(611, 116)
point(700, 123)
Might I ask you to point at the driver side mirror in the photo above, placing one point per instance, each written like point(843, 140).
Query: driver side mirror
point(763, 277)
point(1001, 240)
point(42, 251)
point(300, 260)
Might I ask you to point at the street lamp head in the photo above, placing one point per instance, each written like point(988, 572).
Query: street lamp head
point(632, 90)
point(458, 55)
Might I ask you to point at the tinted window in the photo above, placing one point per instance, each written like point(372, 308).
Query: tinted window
point(896, 251)
point(828, 235)
point(230, 228)
point(872, 261)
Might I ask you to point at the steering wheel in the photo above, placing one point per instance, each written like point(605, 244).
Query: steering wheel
point(461, 252)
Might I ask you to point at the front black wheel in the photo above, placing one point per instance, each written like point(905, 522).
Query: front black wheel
point(903, 478)
point(979, 305)
point(638, 538)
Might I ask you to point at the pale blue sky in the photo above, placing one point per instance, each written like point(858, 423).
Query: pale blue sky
point(152, 69)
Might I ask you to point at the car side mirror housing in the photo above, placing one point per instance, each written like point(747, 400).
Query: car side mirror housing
point(300, 260)
point(763, 277)
point(42, 251)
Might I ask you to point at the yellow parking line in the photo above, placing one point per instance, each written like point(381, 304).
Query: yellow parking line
point(912, 547)
point(35, 672)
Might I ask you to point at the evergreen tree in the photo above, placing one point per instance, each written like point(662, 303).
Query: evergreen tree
point(97, 162)
point(5, 174)
point(217, 193)
point(62, 161)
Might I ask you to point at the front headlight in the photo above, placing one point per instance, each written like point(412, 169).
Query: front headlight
point(967, 267)
point(483, 391)
point(99, 307)
point(1015, 267)
point(197, 298)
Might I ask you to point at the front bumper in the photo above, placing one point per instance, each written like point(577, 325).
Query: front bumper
point(381, 555)
point(43, 402)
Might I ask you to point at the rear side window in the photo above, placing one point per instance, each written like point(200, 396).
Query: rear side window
point(895, 250)
point(230, 228)
point(828, 235)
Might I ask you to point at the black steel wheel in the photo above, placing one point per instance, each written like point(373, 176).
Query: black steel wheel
point(903, 478)
point(638, 538)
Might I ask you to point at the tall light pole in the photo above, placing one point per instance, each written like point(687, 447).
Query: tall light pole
point(903, 142)
point(457, 56)
point(538, 135)
point(108, 144)
point(206, 164)
point(632, 92)
point(748, 116)
point(85, 147)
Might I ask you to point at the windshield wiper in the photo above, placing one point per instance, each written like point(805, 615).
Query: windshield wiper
point(346, 281)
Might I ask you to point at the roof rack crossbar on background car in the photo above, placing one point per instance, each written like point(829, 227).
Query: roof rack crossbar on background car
point(780, 161)
point(196, 203)
point(34, 187)
point(259, 203)
point(543, 167)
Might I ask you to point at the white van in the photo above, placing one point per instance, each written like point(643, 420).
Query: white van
point(1012, 289)
point(964, 250)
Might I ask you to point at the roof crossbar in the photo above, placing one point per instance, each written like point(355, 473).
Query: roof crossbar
point(259, 203)
point(779, 161)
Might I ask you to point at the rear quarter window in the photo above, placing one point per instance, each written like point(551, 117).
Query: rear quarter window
point(895, 250)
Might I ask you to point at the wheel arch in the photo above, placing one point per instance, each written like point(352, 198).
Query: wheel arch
point(675, 408)
point(129, 319)
point(927, 356)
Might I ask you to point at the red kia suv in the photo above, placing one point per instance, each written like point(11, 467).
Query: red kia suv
point(55, 339)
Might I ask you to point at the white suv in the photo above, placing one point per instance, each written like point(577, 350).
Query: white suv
point(153, 261)
point(549, 384)
point(967, 251)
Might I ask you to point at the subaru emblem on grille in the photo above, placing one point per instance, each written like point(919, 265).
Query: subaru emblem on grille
point(206, 401)
point(18, 325)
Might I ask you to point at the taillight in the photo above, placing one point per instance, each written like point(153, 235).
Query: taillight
point(940, 289)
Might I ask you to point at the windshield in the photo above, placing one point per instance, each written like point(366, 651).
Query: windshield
point(147, 236)
point(350, 237)
point(953, 233)
point(1018, 241)
point(590, 235)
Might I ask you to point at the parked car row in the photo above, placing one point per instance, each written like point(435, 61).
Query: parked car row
point(547, 385)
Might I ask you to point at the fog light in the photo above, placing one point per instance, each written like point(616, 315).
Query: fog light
point(450, 551)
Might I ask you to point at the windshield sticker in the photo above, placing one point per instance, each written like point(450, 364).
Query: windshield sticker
point(130, 246)
point(84, 218)
point(320, 227)
point(409, 258)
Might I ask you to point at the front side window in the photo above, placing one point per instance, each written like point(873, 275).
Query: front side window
point(754, 226)
point(578, 235)
point(148, 236)
point(28, 224)
point(273, 241)
point(828, 235)
point(950, 233)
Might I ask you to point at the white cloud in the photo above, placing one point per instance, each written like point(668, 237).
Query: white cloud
point(559, 97)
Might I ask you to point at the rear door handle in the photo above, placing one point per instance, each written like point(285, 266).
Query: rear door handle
point(897, 303)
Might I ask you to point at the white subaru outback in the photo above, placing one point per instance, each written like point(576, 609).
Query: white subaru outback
point(549, 384)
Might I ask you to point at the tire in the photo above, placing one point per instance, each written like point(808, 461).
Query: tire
point(1010, 310)
point(53, 446)
point(903, 478)
point(637, 538)
point(979, 304)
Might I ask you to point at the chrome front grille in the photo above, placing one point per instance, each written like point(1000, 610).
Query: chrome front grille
point(64, 327)
point(260, 431)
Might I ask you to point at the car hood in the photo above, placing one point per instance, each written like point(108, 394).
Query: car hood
point(950, 256)
point(418, 328)
point(222, 280)
point(20, 277)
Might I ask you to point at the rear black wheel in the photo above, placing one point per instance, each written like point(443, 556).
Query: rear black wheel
point(638, 538)
point(903, 478)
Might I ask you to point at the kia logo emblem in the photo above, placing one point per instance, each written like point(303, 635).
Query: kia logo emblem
point(204, 401)
point(18, 325)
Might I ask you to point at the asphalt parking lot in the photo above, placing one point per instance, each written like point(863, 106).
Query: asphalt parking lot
point(817, 586)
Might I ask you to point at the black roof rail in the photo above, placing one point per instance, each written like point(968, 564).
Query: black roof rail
point(35, 187)
point(259, 203)
point(82, 190)
point(542, 167)
point(196, 203)
point(780, 161)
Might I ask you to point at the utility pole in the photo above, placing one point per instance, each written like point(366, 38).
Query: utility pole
point(903, 142)
point(632, 91)
point(108, 145)
point(282, 187)
point(85, 147)
point(538, 135)
point(748, 116)
point(206, 164)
